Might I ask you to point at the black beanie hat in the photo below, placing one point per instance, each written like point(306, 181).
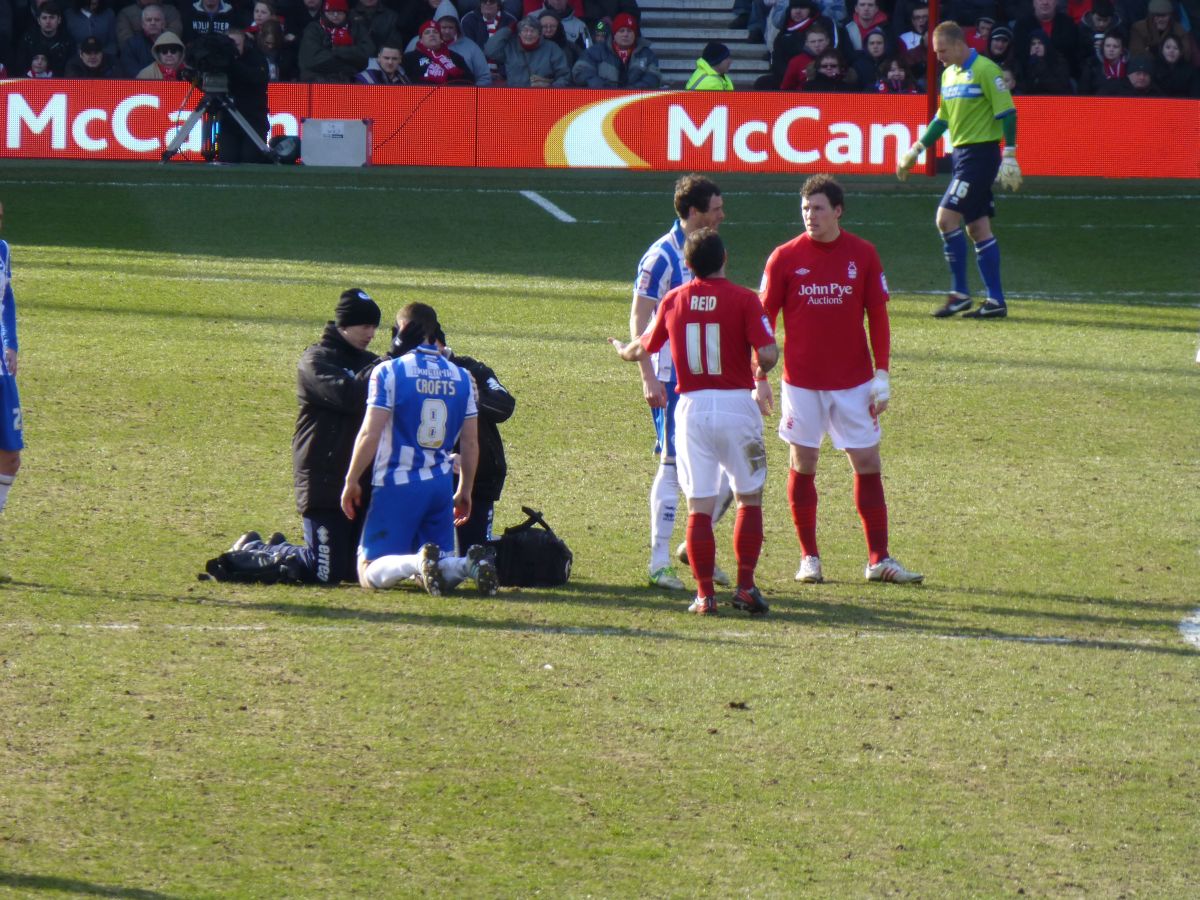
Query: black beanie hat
point(715, 53)
point(356, 308)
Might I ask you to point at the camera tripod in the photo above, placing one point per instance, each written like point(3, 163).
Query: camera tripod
point(211, 105)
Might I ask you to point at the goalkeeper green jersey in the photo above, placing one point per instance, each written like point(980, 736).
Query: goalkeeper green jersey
point(974, 99)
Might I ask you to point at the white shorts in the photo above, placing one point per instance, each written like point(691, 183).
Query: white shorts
point(807, 416)
point(717, 430)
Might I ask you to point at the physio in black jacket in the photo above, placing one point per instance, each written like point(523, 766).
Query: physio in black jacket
point(495, 405)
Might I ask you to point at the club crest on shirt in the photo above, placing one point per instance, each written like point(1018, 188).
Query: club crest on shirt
point(852, 270)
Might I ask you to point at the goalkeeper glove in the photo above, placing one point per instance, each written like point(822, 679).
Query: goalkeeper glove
point(881, 389)
point(908, 160)
point(1009, 175)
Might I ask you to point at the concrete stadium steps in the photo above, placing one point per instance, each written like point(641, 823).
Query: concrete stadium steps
point(679, 29)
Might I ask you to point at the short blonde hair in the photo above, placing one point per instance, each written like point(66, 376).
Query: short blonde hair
point(950, 31)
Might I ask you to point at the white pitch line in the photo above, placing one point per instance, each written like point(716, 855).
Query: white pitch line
point(352, 188)
point(583, 631)
point(557, 212)
point(1190, 629)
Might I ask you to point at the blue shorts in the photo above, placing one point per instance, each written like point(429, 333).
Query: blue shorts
point(664, 422)
point(970, 190)
point(404, 517)
point(11, 432)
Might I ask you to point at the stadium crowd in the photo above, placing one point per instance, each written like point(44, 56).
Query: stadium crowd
point(1090, 47)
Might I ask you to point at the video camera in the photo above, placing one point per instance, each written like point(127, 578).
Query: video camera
point(212, 57)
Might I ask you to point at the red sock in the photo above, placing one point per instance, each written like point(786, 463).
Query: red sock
point(872, 509)
point(747, 543)
point(702, 551)
point(802, 495)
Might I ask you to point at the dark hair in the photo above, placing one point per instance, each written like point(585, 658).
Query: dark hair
point(420, 326)
point(1120, 36)
point(694, 192)
point(704, 252)
point(827, 185)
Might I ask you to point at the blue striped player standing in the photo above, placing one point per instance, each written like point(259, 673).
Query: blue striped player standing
point(11, 427)
point(977, 109)
point(662, 268)
point(419, 405)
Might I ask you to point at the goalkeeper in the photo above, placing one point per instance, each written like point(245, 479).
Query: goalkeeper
point(977, 109)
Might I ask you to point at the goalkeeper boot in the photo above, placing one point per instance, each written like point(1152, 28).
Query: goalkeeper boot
point(431, 570)
point(810, 570)
point(667, 578)
point(719, 575)
point(276, 539)
point(989, 310)
point(704, 606)
point(481, 567)
point(888, 569)
point(751, 600)
point(954, 304)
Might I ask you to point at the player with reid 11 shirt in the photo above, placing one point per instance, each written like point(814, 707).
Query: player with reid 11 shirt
point(977, 110)
point(720, 344)
point(823, 282)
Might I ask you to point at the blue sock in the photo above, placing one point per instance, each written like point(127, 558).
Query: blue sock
point(987, 255)
point(955, 250)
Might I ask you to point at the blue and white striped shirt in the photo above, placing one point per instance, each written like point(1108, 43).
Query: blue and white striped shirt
point(662, 269)
point(430, 398)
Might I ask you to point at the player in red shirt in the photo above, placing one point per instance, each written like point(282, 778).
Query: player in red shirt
point(823, 282)
point(716, 330)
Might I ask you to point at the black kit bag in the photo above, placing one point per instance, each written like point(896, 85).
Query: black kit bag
point(530, 556)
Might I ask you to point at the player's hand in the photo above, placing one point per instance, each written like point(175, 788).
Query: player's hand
point(455, 463)
point(655, 393)
point(908, 160)
point(462, 508)
point(764, 397)
point(881, 392)
point(10, 360)
point(1009, 175)
point(351, 498)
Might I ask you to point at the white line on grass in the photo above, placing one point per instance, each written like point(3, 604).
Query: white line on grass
point(1190, 629)
point(557, 212)
point(354, 188)
point(582, 631)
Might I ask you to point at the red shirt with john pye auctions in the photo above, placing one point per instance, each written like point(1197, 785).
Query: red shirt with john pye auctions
point(823, 290)
point(712, 324)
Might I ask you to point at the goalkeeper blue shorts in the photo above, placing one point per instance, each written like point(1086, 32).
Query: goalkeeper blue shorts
point(970, 190)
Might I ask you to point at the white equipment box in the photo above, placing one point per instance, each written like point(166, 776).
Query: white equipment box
point(335, 142)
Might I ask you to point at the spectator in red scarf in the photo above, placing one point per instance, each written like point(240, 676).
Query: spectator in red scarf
point(789, 43)
point(625, 61)
point(528, 60)
point(333, 49)
point(1112, 62)
point(168, 59)
point(1136, 83)
point(434, 63)
point(867, 15)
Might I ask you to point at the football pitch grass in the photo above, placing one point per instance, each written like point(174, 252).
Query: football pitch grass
point(1026, 722)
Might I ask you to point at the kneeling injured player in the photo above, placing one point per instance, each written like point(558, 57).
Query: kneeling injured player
point(722, 349)
point(419, 405)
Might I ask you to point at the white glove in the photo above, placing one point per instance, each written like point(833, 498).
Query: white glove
point(881, 391)
point(1009, 175)
point(908, 160)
